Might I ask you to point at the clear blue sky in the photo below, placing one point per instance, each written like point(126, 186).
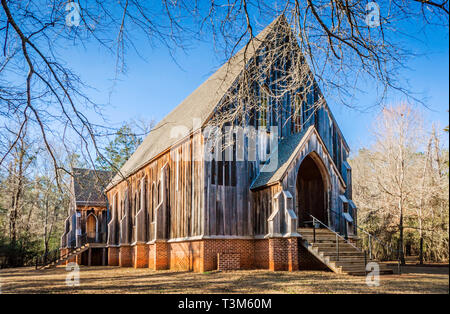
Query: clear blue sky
point(153, 87)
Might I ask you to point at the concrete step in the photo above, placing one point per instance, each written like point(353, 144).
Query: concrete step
point(327, 246)
point(349, 267)
point(310, 230)
point(351, 260)
point(342, 252)
point(349, 263)
point(323, 238)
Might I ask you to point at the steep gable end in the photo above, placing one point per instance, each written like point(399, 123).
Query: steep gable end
point(198, 105)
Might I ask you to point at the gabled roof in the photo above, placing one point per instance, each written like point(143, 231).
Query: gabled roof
point(198, 105)
point(286, 151)
point(88, 186)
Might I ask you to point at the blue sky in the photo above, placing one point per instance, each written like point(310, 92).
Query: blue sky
point(153, 87)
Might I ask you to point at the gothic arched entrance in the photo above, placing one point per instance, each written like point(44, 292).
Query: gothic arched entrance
point(91, 227)
point(312, 191)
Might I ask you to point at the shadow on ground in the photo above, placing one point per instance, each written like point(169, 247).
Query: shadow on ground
point(128, 280)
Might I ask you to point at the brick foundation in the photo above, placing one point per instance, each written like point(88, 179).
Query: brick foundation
point(307, 261)
point(140, 255)
point(113, 256)
point(158, 256)
point(186, 255)
point(245, 248)
point(228, 261)
point(283, 254)
point(261, 254)
point(125, 256)
point(62, 252)
point(212, 254)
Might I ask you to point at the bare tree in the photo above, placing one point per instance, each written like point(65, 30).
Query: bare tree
point(399, 184)
point(335, 41)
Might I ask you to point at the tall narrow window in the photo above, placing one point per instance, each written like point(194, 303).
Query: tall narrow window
point(220, 172)
point(263, 110)
point(250, 172)
point(177, 161)
point(233, 162)
point(135, 207)
point(227, 172)
point(154, 201)
point(252, 114)
point(298, 112)
point(213, 171)
point(158, 192)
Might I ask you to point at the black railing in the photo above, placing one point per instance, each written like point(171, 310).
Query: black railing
point(371, 237)
point(391, 252)
point(48, 258)
point(317, 223)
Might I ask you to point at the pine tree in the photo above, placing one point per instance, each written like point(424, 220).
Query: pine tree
point(119, 150)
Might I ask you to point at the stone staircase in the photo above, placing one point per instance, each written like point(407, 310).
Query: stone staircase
point(65, 258)
point(342, 259)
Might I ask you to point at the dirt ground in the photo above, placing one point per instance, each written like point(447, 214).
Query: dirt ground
point(98, 279)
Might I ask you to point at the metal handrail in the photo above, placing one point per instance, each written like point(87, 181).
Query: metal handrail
point(371, 236)
point(387, 246)
point(337, 234)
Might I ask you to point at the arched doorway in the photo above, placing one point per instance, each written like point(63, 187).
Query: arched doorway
point(91, 227)
point(311, 191)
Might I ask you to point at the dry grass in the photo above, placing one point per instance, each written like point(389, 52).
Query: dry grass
point(128, 280)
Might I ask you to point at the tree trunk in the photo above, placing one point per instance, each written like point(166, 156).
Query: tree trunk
point(421, 249)
point(401, 251)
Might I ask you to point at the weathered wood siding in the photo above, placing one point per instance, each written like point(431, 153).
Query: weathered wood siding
point(184, 193)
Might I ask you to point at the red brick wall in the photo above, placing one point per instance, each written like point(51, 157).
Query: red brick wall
point(213, 246)
point(113, 256)
point(125, 256)
point(228, 261)
point(202, 255)
point(158, 255)
point(161, 255)
point(72, 259)
point(261, 259)
point(151, 256)
point(307, 261)
point(62, 253)
point(186, 255)
point(140, 255)
point(283, 254)
point(292, 254)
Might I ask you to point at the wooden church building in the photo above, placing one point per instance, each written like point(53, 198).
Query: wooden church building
point(171, 208)
point(87, 222)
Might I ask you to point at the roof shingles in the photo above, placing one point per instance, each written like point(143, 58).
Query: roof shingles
point(88, 186)
point(285, 152)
